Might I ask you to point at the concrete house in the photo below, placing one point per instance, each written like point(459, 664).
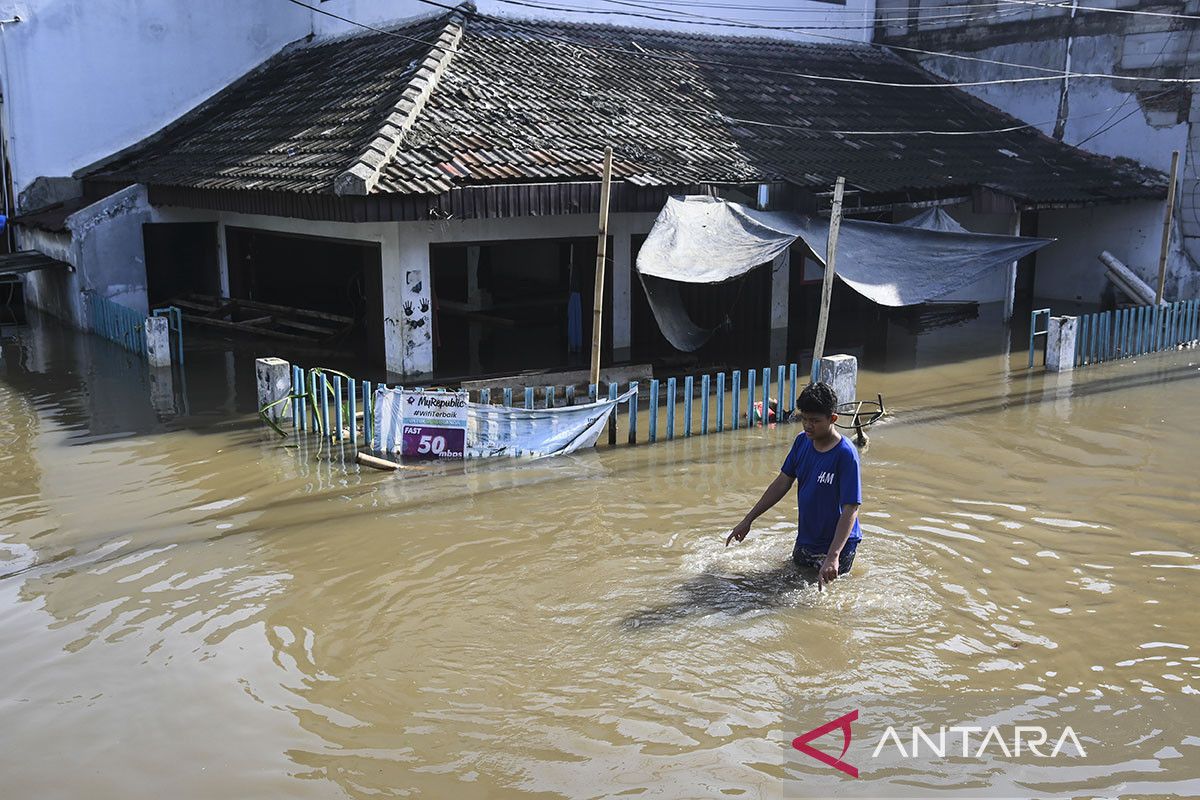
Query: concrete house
point(438, 183)
point(1120, 90)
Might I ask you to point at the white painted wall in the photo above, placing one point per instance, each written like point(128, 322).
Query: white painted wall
point(1069, 269)
point(104, 244)
point(850, 21)
point(1103, 116)
point(82, 79)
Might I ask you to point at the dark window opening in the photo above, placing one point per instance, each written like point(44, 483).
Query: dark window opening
point(514, 306)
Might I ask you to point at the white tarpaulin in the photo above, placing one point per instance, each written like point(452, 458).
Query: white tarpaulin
point(701, 239)
point(494, 431)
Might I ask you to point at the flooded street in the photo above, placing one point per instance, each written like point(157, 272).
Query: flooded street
point(191, 607)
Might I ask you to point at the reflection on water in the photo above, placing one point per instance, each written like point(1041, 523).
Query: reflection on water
point(192, 607)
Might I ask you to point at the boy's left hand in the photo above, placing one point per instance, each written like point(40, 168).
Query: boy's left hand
point(829, 570)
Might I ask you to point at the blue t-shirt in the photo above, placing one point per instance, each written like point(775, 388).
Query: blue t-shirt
point(824, 483)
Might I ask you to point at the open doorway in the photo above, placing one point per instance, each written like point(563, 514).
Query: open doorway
point(328, 290)
point(181, 260)
point(513, 306)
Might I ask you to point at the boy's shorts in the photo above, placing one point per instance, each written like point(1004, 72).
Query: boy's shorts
point(805, 558)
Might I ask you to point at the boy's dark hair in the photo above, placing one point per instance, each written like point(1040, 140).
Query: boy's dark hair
point(818, 398)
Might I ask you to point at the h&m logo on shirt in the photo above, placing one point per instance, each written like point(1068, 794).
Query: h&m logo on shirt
point(826, 478)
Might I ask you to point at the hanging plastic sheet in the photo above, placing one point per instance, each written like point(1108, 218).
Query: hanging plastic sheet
point(498, 431)
point(700, 239)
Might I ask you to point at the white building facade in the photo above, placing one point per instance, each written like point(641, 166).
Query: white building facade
point(1131, 106)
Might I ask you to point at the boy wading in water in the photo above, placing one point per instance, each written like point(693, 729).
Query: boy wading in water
point(830, 490)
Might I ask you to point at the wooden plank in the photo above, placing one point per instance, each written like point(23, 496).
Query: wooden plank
point(256, 321)
point(260, 306)
point(242, 328)
point(304, 326)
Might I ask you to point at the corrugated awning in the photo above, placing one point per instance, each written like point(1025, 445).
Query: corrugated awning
point(29, 261)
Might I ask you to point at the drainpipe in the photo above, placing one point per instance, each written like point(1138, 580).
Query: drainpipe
point(1060, 123)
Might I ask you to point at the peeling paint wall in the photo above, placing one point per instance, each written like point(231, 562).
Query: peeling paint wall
point(54, 291)
point(1139, 119)
point(104, 243)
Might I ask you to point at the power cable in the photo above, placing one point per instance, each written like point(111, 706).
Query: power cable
point(718, 115)
point(903, 48)
point(641, 53)
point(740, 23)
point(1133, 11)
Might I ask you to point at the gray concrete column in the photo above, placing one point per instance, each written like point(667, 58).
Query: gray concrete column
point(273, 377)
point(781, 271)
point(158, 341)
point(408, 305)
point(1010, 279)
point(1060, 343)
point(840, 372)
point(622, 308)
point(162, 392)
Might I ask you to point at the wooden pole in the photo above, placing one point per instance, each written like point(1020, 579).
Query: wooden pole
point(601, 253)
point(1166, 237)
point(835, 223)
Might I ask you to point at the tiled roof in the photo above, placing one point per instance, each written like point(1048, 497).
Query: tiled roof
point(481, 100)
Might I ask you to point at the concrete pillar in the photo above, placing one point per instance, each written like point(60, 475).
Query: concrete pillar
point(477, 298)
point(841, 373)
point(222, 261)
point(158, 341)
point(273, 377)
point(1060, 343)
point(781, 270)
point(1010, 279)
point(622, 282)
point(162, 392)
point(408, 305)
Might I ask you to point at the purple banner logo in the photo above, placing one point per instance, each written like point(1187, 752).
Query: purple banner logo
point(420, 442)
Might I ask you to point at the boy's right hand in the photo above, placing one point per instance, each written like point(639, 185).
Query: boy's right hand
point(739, 532)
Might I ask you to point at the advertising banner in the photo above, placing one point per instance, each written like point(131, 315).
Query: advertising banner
point(434, 425)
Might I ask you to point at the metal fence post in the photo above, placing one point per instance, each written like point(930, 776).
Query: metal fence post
point(751, 375)
point(766, 395)
point(736, 398)
point(720, 402)
point(368, 414)
point(653, 418)
point(689, 386)
point(612, 418)
point(633, 412)
point(705, 386)
point(670, 408)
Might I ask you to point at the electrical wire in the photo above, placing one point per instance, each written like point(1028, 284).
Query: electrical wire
point(865, 24)
point(641, 53)
point(958, 56)
point(723, 117)
point(1133, 11)
point(383, 31)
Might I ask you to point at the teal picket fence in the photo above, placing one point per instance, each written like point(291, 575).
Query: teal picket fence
point(340, 407)
point(1129, 332)
point(117, 323)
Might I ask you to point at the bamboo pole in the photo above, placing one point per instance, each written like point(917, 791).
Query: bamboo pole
point(1166, 235)
point(601, 253)
point(835, 223)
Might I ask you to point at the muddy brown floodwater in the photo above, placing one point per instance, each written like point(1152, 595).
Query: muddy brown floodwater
point(190, 608)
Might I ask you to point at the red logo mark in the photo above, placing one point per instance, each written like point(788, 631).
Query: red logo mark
point(801, 743)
